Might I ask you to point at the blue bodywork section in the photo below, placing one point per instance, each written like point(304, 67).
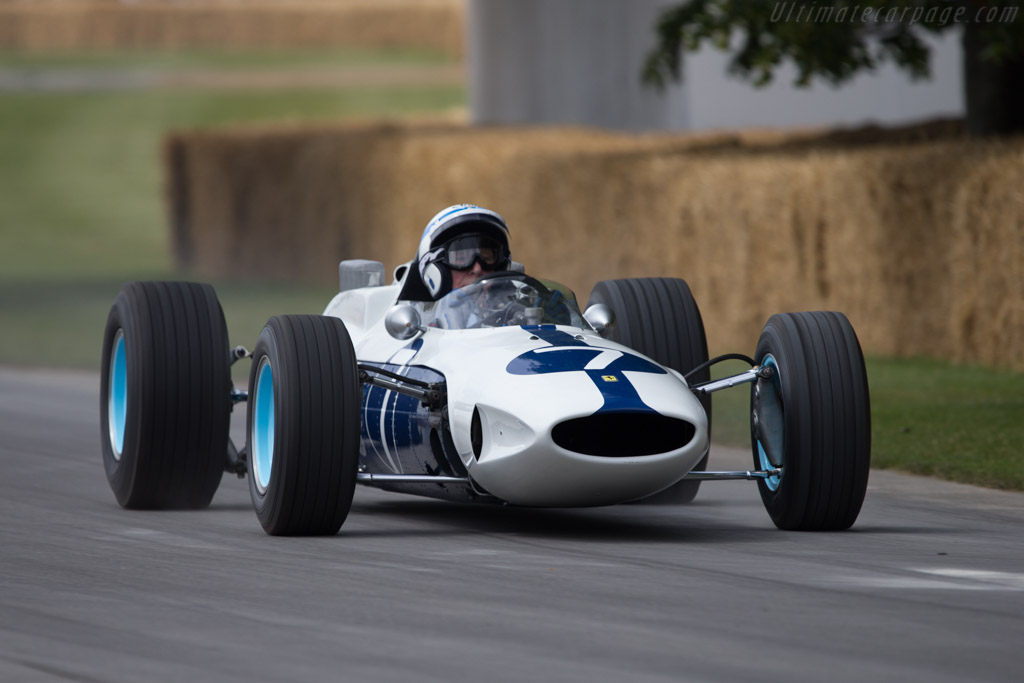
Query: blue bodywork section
point(399, 435)
point(396, 428)
point(569, 354)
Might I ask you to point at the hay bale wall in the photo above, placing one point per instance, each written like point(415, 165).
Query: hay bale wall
point(922, 245)
point(95, 25)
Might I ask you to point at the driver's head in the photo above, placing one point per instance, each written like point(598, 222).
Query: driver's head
point(460, 245)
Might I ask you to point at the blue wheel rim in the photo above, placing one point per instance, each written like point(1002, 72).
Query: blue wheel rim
point(117, 396)
point(262, 437)
point(772, 482)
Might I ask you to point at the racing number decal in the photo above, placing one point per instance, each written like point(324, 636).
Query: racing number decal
point(605, 367)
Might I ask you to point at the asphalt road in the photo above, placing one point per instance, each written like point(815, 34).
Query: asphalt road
point(928, 586)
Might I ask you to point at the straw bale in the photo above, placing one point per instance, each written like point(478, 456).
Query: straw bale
point(921, 244)
point(987, 263)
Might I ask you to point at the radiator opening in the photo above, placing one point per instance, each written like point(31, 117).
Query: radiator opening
point(623, 435)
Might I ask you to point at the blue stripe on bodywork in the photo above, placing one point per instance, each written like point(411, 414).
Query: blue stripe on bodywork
point(400, 442)
point(567, 353)
point(620, 396)
point(544, 362)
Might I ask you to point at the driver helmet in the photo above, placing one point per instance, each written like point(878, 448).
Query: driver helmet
point(456, 238)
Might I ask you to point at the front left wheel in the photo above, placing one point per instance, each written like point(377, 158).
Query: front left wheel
point(303, 425)
point(811, 421)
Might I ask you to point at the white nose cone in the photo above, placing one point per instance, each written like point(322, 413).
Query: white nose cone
point(575, 424)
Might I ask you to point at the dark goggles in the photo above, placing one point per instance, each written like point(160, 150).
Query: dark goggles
point(462, 252)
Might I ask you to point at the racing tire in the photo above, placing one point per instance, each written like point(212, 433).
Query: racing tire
point(302, 425)
point(811, 417)
point(165, 395)
point(659, 317)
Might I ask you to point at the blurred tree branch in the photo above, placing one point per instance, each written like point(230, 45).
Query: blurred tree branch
point(836, 39)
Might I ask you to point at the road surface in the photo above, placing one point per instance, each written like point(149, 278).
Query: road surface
point(928, 586)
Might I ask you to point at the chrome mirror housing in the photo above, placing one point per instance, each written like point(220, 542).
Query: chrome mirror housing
point(403, 322)
point(601, 318)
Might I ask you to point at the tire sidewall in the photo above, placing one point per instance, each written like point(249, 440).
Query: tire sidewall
point(265, 503)
point(121, 471)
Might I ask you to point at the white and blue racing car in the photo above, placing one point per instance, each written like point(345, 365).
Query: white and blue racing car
point(499, 392)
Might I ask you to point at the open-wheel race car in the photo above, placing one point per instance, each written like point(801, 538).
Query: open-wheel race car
point(498, 392)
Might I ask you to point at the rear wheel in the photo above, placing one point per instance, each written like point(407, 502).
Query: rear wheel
point(811, 418)
point(659, 317)
point(303, 425)
point(165, 395)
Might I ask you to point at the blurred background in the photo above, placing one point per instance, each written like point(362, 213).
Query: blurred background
point(90, 89)
point(775, 162)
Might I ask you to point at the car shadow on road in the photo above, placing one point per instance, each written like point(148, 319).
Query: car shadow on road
point(652, 524)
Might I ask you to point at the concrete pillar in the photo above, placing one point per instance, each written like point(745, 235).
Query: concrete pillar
point(566, 61)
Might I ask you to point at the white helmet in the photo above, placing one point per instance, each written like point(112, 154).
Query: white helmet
point(481, 234)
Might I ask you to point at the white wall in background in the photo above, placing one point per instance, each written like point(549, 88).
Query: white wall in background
point(579, 61)
point(889, 95)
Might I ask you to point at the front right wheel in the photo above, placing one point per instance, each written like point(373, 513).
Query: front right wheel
point(811, 421)
point(165, 395)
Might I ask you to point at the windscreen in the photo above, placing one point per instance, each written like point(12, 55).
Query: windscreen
point(507, 300)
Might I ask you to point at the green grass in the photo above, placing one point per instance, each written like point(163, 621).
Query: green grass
point(59, 322)
point(222, 59)
point(928, 417)
point(81, 209)
point(730, 408)
point(80, 177)
point(960, 423)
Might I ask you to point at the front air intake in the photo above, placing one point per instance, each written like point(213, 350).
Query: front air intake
point(623, 435)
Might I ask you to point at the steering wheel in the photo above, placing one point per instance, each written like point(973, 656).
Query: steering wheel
point(509, 313)
point(503, 317)
point(525, 279)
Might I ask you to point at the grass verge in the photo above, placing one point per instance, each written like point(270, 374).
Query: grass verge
point(960, 423)
point(221, 59)
point(59, 323)
point(81, 187)
point(928, 417)
point(80, 173)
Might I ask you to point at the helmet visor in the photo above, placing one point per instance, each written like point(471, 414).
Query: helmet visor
point(462, 252)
